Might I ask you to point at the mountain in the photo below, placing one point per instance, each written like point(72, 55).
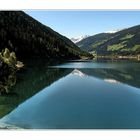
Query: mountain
point(23, 38)
point(123, 42)
point(76, 40)
point(27, 37)
point(89, 43)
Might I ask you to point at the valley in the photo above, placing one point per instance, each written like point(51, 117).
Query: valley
point(49, 81)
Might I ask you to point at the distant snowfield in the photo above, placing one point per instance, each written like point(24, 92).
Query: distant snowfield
point(114, 31)
point(77, 39)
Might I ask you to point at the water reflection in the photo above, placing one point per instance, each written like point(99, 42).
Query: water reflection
point(111, 81)
point(34, 78)
point(122, 71)
point(81, 99)
point(126, 75)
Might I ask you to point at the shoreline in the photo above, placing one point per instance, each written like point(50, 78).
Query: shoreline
point(4, 126)
point(119, 57)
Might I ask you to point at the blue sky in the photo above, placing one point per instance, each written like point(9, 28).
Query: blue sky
point(77, 23)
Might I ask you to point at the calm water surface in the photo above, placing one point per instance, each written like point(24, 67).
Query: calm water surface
point(79, 95)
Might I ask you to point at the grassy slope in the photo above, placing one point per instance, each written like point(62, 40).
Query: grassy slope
point(124, 42)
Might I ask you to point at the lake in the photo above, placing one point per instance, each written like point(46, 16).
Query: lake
point(75, 95)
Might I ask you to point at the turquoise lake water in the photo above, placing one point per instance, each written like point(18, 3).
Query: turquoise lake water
point(84, 95)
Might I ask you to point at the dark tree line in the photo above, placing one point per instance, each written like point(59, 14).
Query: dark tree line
point(27, 37)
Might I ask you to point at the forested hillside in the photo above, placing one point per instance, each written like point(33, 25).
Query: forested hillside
point(27, 37)
point(22, 37)
point(124, 42)
point(91, 42)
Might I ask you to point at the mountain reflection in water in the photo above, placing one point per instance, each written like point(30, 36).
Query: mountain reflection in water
point(84, 98)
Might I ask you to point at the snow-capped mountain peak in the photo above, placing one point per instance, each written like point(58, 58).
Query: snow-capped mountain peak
point(77, 39)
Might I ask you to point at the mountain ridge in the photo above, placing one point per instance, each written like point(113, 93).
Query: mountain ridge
point(27, 37)
point(77, 39)
point(123, 42)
